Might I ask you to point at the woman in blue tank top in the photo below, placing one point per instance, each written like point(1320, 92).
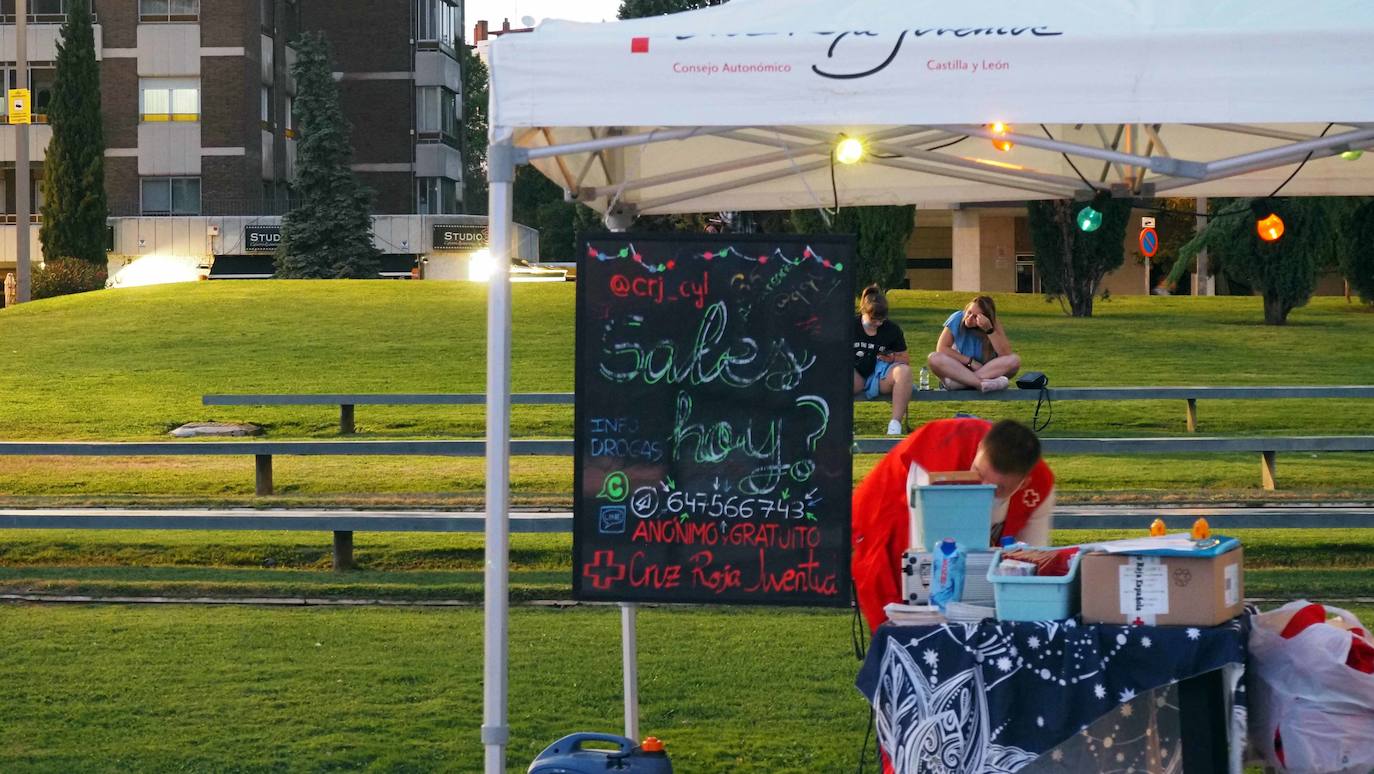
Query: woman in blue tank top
point(973, 352)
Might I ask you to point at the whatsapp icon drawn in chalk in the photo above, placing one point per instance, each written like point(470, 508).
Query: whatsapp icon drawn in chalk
point(616, 487)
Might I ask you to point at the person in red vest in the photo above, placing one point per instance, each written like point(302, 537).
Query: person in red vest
point(1006, 454)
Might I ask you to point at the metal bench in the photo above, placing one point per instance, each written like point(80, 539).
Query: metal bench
point(1268, 447)
point(342, 524)
point(346, 401)
point(1190, 394)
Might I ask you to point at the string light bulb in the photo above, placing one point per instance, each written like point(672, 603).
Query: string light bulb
point(1090, 217)
point(850, 150)
point(1268, 224)
point(1000, 129)
point(1352, 155)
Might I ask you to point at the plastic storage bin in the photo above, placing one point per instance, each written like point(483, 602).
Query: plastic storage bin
point(962, 512)
point(1036, 598)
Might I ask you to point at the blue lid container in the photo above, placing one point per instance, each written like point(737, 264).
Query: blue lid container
point(962, 512)
point(1033, 597)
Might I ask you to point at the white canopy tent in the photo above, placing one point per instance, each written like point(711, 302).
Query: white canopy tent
point(739, 107)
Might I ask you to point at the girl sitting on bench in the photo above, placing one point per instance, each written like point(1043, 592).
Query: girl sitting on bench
point(973, 352)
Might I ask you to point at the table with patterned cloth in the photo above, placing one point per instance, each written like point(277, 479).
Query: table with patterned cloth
point(1058, 696)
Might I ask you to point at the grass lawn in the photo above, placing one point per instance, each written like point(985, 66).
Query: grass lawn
point(131, 364)
point(242, 689)
point(134, 688)
point(96, 688)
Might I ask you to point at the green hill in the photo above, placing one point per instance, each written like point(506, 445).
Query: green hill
point(131, 364)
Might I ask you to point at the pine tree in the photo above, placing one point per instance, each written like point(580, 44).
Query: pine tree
point(328, 235)
point(637, 9)
point(1072, 262)
point(74, 206)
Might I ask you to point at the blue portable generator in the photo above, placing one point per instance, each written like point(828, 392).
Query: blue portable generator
point(568, 756)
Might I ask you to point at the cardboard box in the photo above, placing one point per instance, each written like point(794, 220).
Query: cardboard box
point(1162, 590)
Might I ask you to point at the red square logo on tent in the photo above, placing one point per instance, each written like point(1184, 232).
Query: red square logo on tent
point(639, 45)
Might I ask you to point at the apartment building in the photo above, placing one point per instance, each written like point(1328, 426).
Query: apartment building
point(197, 98)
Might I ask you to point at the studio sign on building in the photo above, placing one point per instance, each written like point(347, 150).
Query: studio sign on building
point(459, 237)
point(261, 239)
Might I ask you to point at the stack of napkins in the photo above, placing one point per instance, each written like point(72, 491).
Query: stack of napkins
point(962, 612)
point(913, 615)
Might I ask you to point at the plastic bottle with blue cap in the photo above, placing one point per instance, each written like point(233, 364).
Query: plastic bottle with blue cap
point(947, 574)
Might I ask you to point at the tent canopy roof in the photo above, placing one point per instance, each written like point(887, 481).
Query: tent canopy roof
point(738, 106)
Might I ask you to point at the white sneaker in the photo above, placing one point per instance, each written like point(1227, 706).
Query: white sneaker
point(894, 428)
point(992, 385)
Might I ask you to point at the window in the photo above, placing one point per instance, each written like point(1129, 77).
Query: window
point(266, 105)
point(269, 15)
point(40, 11)
point(288, 120)
point(439, 21)
point(168, 10)
point(436, 111)
point(436, 196)
point(41, 78)
point(169, 99)
point(170, 195)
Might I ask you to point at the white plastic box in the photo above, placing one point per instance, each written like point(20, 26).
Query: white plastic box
point(959, 511)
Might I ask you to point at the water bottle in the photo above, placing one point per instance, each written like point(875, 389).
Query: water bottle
point(925, 378)
point(947, 581)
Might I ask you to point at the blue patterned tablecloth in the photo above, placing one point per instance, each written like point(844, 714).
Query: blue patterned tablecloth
point(996, 696)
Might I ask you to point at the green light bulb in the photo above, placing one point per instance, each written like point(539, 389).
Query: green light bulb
point(1089, 219)
point(1352, 155)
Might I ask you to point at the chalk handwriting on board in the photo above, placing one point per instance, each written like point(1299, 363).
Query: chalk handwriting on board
point(713, 419)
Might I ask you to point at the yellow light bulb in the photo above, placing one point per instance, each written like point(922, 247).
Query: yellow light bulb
point(1000, 129)
point(850, 151)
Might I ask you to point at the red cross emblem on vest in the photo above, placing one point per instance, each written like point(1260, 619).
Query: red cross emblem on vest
point(1031, 498)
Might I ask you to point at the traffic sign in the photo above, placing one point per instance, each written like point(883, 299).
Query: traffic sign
point(19, 106)
point(1147, 222)
point(1149, 242)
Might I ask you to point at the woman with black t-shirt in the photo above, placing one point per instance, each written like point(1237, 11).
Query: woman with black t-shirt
point(881, 362)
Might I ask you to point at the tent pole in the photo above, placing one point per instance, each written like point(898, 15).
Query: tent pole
point(1158, 165)
point(1286, 154)
point(496, 577)
point(629, 611)
point(624, 141)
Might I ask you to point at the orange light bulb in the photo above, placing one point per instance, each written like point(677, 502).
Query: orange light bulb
point(1270, 228)
point(1157, 528)
point(1201, 530)
point(1002, 129)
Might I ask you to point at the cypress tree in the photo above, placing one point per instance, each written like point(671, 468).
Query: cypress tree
point(328, 234)
point(74, 206)
point(1357, 259)
point(881, 234)
point(1284, 271)
point(1072, 262)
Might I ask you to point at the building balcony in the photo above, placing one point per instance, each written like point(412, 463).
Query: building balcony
point(39, 137)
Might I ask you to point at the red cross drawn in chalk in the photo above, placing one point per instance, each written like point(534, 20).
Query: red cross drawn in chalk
point(604, 575)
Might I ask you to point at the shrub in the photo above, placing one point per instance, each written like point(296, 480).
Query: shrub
point(65, 276)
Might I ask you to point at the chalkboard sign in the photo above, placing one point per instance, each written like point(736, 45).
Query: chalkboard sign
point(713, 420)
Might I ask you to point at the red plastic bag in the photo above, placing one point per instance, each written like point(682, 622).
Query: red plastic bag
point(1311, 690)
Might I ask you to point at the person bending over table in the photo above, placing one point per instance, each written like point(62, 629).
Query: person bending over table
point(973, 352)
point(1006, 455)
point(882, 364)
